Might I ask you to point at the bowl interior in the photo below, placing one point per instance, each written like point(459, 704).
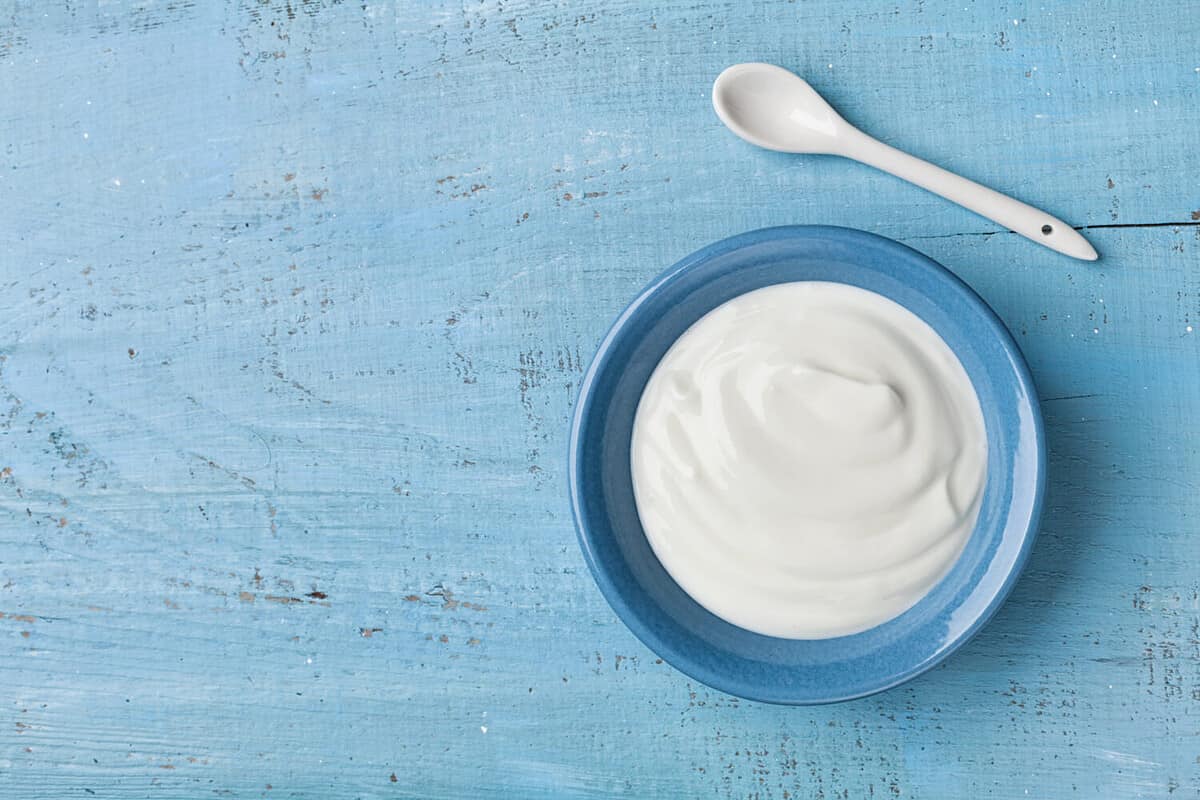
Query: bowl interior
point(761, 667)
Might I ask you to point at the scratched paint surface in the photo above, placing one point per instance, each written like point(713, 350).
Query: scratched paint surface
point(294, 300)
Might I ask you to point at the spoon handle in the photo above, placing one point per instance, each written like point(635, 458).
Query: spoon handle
point(1030, 222)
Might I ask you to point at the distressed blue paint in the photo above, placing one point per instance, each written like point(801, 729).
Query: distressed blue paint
point(289, 372)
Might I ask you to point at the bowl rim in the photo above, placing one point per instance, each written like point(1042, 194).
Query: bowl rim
point(680, 659)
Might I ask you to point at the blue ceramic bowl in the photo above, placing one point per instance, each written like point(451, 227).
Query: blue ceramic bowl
point(766, 668)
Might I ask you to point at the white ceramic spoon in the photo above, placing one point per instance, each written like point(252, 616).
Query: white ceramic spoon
point(773, 108)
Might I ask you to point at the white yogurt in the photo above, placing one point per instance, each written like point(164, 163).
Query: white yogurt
point(808, 460)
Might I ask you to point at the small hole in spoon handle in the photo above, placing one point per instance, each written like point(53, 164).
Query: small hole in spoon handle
point(1047, 230)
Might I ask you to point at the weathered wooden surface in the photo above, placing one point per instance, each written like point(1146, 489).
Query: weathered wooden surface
point(294, 298)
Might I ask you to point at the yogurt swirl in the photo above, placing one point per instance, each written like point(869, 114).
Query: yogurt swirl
point(808, 460)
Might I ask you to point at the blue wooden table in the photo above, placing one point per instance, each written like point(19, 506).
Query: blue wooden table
point(294, 300)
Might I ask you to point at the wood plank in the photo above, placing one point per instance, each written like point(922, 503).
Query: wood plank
point(295, 300)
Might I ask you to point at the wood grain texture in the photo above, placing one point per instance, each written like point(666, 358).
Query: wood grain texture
point(294, 299)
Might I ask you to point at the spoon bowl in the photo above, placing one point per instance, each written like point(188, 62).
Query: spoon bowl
point(768, 106)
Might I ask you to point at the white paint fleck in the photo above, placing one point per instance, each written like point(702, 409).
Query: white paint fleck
point(483, 728)
point(1018, 22)
point(308, 661)
point(85, 135)
point(116, 181)
point(1126, 758)
point(1095, 330)
point(1189, 328)
point(831, 66)
point(1155, 102)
